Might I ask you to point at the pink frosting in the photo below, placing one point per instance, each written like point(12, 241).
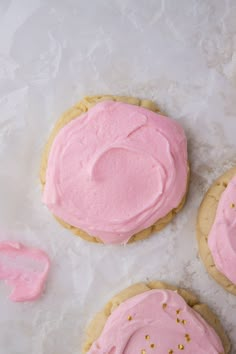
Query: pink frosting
point(24, 269)
point(157, 321)
point(222, 240)
point(116, 170)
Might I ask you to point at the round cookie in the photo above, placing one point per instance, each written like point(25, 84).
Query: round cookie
point(215, 224)
point(91, 232)
point(120, 328)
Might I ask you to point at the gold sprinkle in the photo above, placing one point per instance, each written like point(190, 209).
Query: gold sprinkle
point(152, 345)
point(232, 205)
point(177, 320)
point(178, 311)
point(187, 337)
point(181, 347)
point(147, 337)
point(164, 306)
point(143, 351)
point(130, 318)
point(171, 351)
point(184, 322)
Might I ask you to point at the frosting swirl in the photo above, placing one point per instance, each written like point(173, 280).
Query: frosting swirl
point(116, 170)
point(156, 321)
point(221, 239)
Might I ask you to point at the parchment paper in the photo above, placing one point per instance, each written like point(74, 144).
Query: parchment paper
point(181, 54)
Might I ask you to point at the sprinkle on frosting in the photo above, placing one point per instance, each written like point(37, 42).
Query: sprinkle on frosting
point(116, 170)
point(187, 337)
point(152, 323)
point(181, 347)
point(221, 239)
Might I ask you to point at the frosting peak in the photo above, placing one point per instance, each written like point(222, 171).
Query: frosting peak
point(221, 239)
point(116, 170)
point(156, 321)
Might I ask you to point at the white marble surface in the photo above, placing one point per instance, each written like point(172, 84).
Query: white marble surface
point(181, 54)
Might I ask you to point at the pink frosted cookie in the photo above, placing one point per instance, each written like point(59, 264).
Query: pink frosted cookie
point(24, 269)
point(216, 229)
point(155, 318)
point(114, 171)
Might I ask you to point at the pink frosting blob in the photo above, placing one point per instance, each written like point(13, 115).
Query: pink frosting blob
point(221, 239)
point(116, 170)
point(157, 321)
point(24, 269)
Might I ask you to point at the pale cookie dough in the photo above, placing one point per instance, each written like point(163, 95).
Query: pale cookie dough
point(205, 220)
point(95, 328)
point(80, 108)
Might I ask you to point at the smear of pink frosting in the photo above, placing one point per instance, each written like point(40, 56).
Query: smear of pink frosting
point(116, 170)
point(142, 321)
point(222, 237)
point(24, 269)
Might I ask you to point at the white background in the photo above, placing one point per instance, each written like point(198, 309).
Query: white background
point(182, 55)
